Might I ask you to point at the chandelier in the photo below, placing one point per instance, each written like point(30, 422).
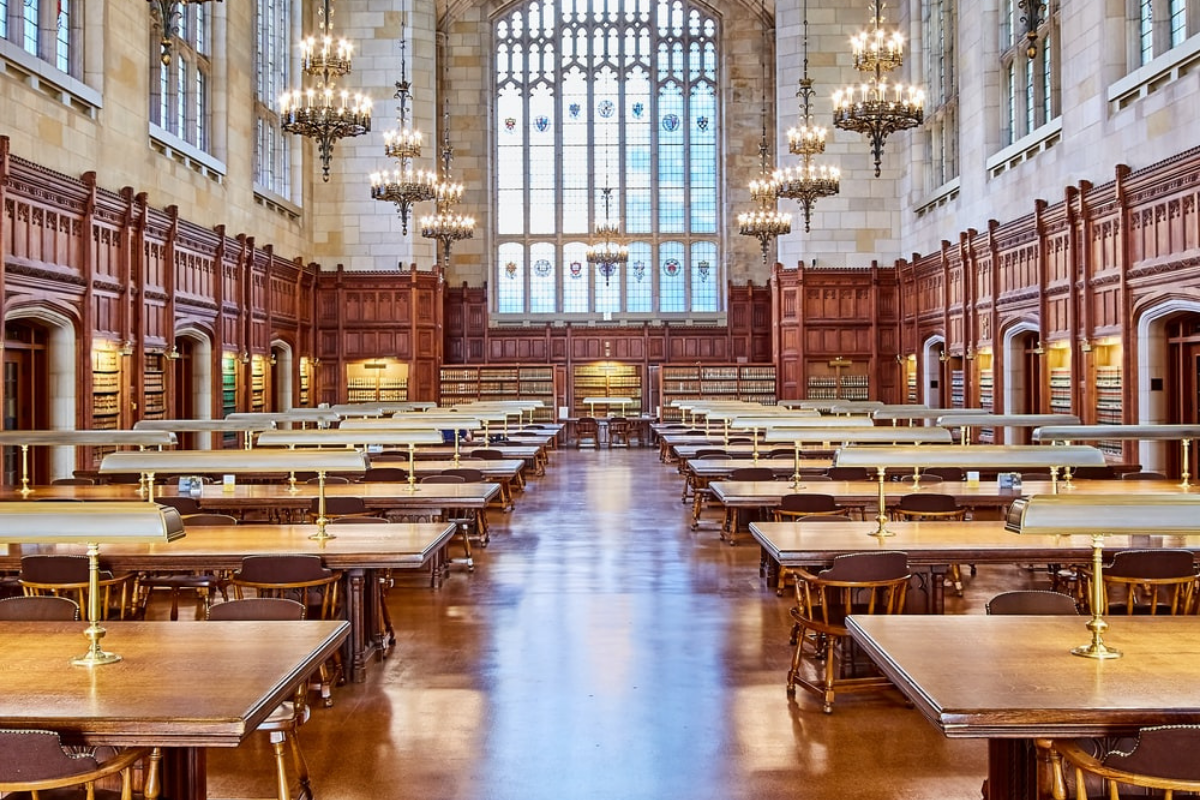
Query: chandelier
point(325, 113)
point(808, 182)
point(405, 186)
point(876, 107)
point(766, 223)
point(447, 225)
point(169, 13)
point(607, 251)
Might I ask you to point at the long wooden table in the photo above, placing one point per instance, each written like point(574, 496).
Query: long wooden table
point(1013, 679)
point(933, 546)
point(758, 494)
point(243, 497)
point(184, 686)
point(357, 550)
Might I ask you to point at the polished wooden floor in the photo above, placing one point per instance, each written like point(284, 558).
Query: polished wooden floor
point(603, 650)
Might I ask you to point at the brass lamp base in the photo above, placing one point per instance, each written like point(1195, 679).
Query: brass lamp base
point(95, 659)
point(1096, 650)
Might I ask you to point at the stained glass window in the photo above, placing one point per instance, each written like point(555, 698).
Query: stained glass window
point(272, 63)
point(616, 94)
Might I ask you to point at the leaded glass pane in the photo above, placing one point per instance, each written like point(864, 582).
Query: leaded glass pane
point(671, 280)
point(510, 289)
point(605, 93)
point(62, 41)
point(543, 279)
point(704, 277)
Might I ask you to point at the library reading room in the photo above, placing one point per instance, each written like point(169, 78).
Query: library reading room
point(600, 399)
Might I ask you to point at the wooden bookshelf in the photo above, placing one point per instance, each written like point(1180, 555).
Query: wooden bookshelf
point(229, 394)
point(258, 384)
point(749, 382)
point(606, 379)
point(306, 369)
point(467, 384)
point(154, 398)
point(845, 387)
point(107, 380)
point(376, 381)
point(1060, 390)
point(1110, 403)
point(987, 394)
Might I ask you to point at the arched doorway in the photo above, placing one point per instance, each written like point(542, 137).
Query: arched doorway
point(40, 352)
point(1168, 377)
point(931, 357)
point(282, 370)
point(1023, 389)
point(192, 377)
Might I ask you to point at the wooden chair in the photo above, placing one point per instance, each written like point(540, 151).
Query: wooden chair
point(73, 482)
point(385, 475)
point(488, 454)
point(1159, 763)
point(1144, 476)
point(204, 584)
point(67, 576)
point(1105, 473)
point(857, 583)
point(461, 517)
point(339, 506)
point(732, 523)
point(849, 474)
point(186, 506)
point(618, 432)
point(40, 608)
point(1147, 582)
point(296, 577)
point(928, 507)
point(807, 507)
point(587, 429)
point(1031, 602)
point(283, 724)
point(780, 452)
point(314, 480)
point(478, 517)
point(34, 763)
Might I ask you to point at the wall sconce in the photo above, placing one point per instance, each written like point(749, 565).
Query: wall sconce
point(314, 362)
point(244, 357)
point(274, 361)
point(942, 357)
point(1039, 350)
point(899, 358)
point(607, 349)
point(126, 348)
point(970, 354)
point(1085, 346)
point(171, 353)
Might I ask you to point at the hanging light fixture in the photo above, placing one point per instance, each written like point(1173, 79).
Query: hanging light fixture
point(169, 14)
point(447, 225)
point(1032, 19)
point(608, 250)
point(876, 107)
point(765, 222)
point(808, 182)
point(405, 186)
point(324, 113)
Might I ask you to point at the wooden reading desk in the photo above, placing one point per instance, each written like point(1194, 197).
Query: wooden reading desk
point(184, 686)
point(933, 546)
point(1013, 679)
point(357, 550)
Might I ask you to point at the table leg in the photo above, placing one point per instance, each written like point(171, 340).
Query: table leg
point(356, 615)
point(184, 773)
point(1012, 770)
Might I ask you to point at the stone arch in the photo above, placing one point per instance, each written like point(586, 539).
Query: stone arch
point(62, 359)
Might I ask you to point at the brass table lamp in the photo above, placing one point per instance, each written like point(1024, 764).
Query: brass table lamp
point(1098, 516)
point(91, 524)
point(967, 458)
point(26, 439)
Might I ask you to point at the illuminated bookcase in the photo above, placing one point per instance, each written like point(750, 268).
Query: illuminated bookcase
point(306, 368)
point(376, 381)
point(1109, 397)
point(154, 400)
point(606, 379)
point(750, 382)
point(845, 387)
point(468, 384)
point(229, 394)
point(106, 396)
point(987, 394)
point(258, 384)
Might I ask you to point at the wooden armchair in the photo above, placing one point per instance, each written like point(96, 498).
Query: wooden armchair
point(930, 507)
point(40, 608)
point(587, 429)
point(1159, 763)
point(296, 577)
point(857, 583)
point(34, 762)
point(67, 576)
point(1151, 582)
point(283, 724)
